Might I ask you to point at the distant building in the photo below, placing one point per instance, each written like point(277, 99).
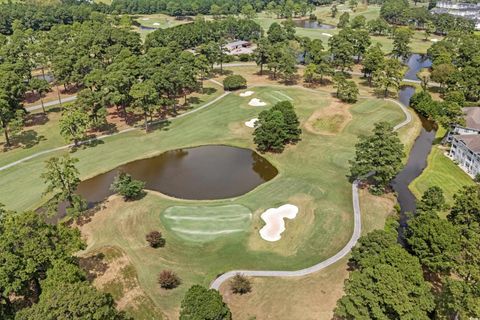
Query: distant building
point(465, 10)
point(239, 47)
point(465, 142)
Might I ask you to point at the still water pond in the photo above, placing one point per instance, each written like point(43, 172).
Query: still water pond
point(312, 24)
point(200, 173)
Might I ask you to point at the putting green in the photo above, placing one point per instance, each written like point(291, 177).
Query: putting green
point(206, 223)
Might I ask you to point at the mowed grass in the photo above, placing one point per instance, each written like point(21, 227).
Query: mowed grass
point(311, 297)
point(331, 123)
point(42, 132)
point(312, 175)
point(206, 223)
point(441, 172)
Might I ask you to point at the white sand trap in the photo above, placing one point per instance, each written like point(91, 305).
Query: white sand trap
point(434, 40)
point(274, 223)
point(257, 103)
point(251, 123)
point(246, 94)
point(145, 19)
point(327, 34)
point(156, 24)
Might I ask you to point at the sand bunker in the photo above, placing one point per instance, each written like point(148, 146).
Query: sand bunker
point(327, 34)
point(434, 40)
point(156, 24)
point(145, 19)
point(257, 103)
point(251, 123)
point(246, 94)
point(274, 223)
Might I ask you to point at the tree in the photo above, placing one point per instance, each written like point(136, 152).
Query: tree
point(29, 247)
point(358, 22)
point(334, 10)
point(287, 64)
point(40, 87)
point(347, 90)
point(432, 200)
point(429, 29)
point(458, 300)
point(155, 239)
point(62, 179)
point(342, 52)
point(434, 241)
point(389, 285)
point(200, 303)
point(168, 279)
point(145, 98)
point(128, 187)
point(261, 53)
point(12, 89)
point(401, 41)
point(380, 153)
point(290, 118)
point(389, 76)
point(234, 82)
point(314, 52)
point(74, 125)
point(248, 11)
point(353, 4)
point(373, 61)
point(240, 284)
point(269, 133)
point(344, 20)
point(74, 301)
point(442, 73)
point(466, 209)
point(372, 244)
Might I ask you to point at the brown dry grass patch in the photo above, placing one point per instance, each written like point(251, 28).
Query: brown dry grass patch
point(330, 120)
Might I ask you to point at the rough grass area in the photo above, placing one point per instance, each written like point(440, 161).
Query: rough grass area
point(206, 223)
point(442, 172)
point(329, 121)
point(111, 271)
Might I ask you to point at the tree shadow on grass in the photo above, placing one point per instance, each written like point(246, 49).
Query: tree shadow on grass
point(159, 125)
point(36, 119)
point(208, 91)
point(25, 140)
point(93, 265)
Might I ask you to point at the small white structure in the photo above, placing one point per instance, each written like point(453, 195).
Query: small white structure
point(472, 124)
point(327, 34)
point(274, 223)
point(257, 103)
point(251, 123)
point(156, 24)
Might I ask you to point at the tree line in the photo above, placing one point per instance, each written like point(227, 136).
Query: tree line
point(436, 274)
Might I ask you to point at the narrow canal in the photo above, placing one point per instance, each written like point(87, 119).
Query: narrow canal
point(417, 159)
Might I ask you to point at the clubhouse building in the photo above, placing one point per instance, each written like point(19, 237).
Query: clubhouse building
point(465, 142)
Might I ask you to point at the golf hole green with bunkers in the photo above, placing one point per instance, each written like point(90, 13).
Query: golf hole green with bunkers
point(205, 238)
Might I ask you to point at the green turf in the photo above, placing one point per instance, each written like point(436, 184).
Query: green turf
point(206, 223)
point(441, 172)
point(44, 133)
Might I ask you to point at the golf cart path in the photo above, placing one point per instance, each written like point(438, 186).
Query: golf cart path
point(357, 230)
point(12, 164)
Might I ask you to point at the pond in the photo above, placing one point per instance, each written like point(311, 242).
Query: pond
point(199, 173)
point(312, 24)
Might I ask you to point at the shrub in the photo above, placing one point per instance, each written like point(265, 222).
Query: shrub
point(168, 279)
point(155, 239)
point(245, 57)
point(234, 82)
point(128, 187)
point(240, 284)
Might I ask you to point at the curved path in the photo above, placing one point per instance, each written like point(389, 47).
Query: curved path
point(357, 229)
point(12, 164)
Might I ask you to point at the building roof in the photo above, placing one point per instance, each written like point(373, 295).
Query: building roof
point(236, 43)
point(472, 141)
point(472, 117)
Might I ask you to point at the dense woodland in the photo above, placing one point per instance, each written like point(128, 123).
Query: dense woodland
point(434, 274)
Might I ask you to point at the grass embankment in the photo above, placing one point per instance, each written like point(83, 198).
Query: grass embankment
point(441, 172)
point(312, 176)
